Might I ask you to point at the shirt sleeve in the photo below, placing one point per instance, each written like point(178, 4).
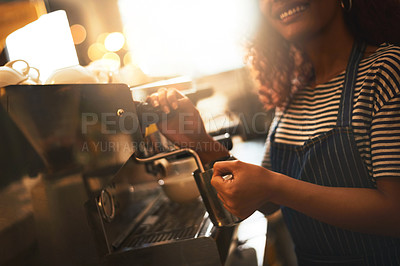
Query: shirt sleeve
point(385, 140)
point(385, 124)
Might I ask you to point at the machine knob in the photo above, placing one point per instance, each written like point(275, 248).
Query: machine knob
point(107, 206)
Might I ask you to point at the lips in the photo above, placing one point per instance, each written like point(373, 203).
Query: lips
point(284, 10)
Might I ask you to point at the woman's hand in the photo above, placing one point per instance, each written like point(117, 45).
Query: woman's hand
point(183, 125)
point(366, 210)
point(249, 189)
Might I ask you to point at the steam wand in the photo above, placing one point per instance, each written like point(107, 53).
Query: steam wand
point(172, 153)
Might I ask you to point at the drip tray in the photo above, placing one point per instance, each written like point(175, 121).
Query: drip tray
point(142, 240)
point(168, 221)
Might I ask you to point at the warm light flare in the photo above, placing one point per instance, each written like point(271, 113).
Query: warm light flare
point(187, 37)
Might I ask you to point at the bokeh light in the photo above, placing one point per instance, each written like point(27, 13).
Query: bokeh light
point(78, 33)
point(127, 59)
point(96, 51)
point(102, 37)
point(113, 61)
point(114, 41)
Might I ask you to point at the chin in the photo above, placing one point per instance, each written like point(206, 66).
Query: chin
point(297, 35)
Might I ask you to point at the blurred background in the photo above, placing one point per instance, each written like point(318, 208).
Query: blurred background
point(161, 38)
point(187, 44)
point(202, 43)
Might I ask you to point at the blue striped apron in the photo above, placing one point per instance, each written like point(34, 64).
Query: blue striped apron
point(332, 159)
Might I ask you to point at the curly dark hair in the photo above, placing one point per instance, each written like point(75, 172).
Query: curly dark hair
point(281, 68)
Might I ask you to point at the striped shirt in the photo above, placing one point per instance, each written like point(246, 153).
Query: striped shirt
point(375, 117)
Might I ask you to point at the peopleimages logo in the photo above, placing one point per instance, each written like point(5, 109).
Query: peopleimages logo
point(183, 123)
point(109, 132)
point(109, 146)
point(109, 123)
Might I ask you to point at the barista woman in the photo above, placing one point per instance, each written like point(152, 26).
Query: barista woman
point(331, 69)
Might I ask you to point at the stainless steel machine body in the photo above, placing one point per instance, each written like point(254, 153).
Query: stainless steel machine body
point(93, 193)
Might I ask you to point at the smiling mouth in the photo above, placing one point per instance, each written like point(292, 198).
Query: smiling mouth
point(292, 11)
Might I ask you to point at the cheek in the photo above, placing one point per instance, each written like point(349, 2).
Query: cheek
point(265, 8)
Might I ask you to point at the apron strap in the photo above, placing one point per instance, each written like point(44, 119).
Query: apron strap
point(346, 101)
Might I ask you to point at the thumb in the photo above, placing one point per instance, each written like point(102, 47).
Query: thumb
point(225, 167)
point(222, 170)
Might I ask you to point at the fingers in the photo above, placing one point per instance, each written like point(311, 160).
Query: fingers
point(224, 202)
point(166, 99)
point(162, 99)
point(224, 168)
point(221, 170)
point(227, 205)
point(221, 198)
point(153, 100)
point(172, 100)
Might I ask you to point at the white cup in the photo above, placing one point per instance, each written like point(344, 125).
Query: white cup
point(178, 182)
point(72, 74)
point(9, 75)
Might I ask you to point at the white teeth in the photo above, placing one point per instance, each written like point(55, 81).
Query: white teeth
point(291, 12)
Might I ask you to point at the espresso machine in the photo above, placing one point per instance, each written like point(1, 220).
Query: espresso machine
point(98, 201)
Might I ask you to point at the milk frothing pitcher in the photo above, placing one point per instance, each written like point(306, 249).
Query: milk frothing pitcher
point(215, 208)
